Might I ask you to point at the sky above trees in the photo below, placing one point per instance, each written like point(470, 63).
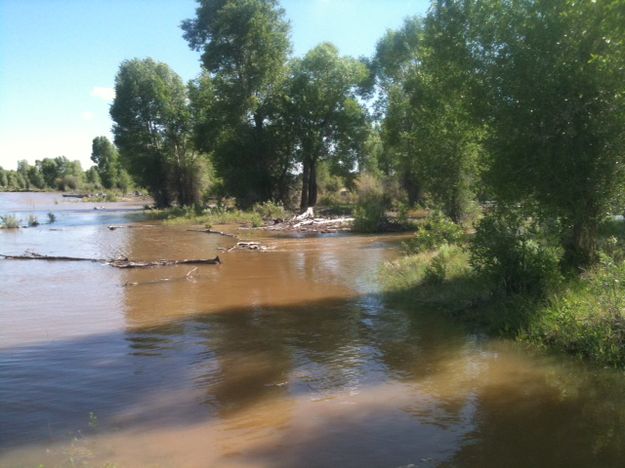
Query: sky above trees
point(58, 59)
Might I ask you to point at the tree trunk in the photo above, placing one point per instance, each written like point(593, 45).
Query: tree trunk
point(581, 248)
point(305, 180)
point(312, 184)
point(413, 189)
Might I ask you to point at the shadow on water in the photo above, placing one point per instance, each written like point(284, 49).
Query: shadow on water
point(355, 381)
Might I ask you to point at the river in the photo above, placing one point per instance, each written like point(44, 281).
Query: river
point(287, 357)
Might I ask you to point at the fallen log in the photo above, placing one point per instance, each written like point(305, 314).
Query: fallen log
point(314, 225)
point(117, 263)
point(210, 231)
point(161, 263)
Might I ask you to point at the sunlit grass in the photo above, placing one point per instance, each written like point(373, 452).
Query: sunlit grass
point(177, 215)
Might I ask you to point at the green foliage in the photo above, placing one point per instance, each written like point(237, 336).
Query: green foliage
point(515, 254)
point(438, 230)
point(109, 169)
point(370, 211)
point(48, 174)
point(587, 317)
point(153, 132)
point(441, 278)
point(329, 121)
point(236, 102)
point(428, 133)
point(9, 222)
point(572, 124)
point(436, 271)
point(270, 210)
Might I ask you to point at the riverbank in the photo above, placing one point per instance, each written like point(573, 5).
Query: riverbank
point(582, 315)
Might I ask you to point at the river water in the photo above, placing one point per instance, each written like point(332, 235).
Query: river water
point(287, 357)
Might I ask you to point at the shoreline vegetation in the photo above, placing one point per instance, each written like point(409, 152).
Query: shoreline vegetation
point(580, 313)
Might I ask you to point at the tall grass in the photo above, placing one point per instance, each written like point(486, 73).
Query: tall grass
point(184, 215)
point(9, 222)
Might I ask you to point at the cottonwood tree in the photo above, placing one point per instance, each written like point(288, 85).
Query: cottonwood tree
point(153, 131)
point(428, 131)
point(108, 165)
point(244, 46)
point(328, 121)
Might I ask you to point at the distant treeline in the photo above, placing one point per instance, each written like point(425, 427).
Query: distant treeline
point(62, 174)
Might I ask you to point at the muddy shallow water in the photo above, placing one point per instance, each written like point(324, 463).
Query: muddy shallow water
point(287, 357)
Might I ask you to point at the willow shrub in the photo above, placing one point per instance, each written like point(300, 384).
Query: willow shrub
point(435, 232)
point(514, 254)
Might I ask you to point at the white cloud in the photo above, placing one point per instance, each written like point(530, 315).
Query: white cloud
point(104, 93)
point(87, 115)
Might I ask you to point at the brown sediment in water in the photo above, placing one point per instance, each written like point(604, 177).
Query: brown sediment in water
point(283, 357)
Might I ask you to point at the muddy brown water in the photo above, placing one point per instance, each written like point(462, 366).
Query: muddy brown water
point(288, 357)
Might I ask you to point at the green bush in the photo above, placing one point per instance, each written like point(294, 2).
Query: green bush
point(436, 271)
point(587, 317)
point(270, 210)
point(437, 231)
point(370, 212)
point(515, 254)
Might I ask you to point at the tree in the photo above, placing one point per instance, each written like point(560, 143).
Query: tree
point(553, 87)
point(22, 170)
point(153, 131)
point(105, 156)
point(93, 177)
point(49, 170)
point(35, 178)
point(244, 46)
point(428, 130)
point(328, 120)
point(396, 57)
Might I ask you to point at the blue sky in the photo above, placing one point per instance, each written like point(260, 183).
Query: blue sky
point(58, 59)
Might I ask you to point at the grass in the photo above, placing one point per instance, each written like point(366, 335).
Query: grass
point(9, 222)
point(108, 197)
point(179, 215)
point(586, 317)
point(583, 316)
point(453, 287)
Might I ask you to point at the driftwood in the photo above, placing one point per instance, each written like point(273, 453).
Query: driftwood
point(113, 227)
point(250, 245)
point(310, 224)
point(210, 231)
point(117, 263)
point(309, 213)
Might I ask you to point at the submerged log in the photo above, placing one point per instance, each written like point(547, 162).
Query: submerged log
point(211, 231)
point(117, 263)
point(159, 263)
